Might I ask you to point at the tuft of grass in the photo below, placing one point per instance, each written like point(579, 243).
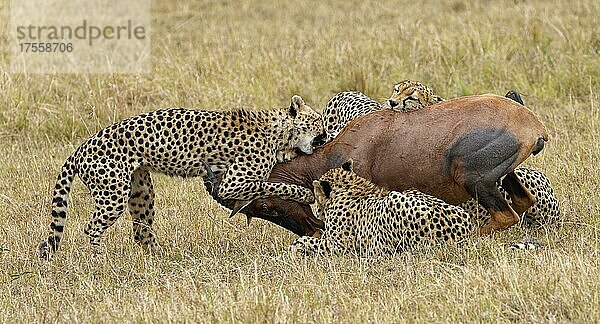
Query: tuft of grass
point(217, 55)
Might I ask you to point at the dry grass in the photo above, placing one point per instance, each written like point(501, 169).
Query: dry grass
point(218, 55)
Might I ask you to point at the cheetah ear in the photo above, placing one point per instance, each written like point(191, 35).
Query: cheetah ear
point(438, 98)
point(297, 103)
point(326, 187)
point(317, 188)
point(348, 165)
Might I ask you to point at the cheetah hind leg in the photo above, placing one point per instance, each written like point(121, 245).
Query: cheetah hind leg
point(110, 205)
point(141, 208)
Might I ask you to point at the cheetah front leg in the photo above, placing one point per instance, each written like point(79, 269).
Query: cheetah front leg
point(255, 189)
point(310, 245)
point(141, 208)
point(245, 193)
point(241, 182)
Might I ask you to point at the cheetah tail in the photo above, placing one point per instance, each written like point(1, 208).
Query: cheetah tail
point(59, 209)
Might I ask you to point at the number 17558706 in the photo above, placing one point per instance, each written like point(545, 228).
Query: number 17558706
point(46, 47)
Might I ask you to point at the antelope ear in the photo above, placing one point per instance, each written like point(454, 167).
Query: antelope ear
point(326, 187)
point(515, 96)
point(348, 165)
point(295, 105)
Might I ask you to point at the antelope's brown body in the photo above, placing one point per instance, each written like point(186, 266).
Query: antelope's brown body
point(453, 150)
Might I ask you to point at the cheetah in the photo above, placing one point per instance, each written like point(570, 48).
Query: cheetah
point(344, 107)
point(370, 221)
point(240, 145)
point(412, 95)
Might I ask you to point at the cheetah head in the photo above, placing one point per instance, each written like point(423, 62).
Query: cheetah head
point(334, 183)
point(412, 95)
point(308, 127)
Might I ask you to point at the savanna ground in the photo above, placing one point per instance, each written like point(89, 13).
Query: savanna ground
point(216, 55)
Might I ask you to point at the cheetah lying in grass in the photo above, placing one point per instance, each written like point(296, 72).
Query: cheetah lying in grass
point(368, 220)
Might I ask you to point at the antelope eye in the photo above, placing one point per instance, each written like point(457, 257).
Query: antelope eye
point(264, 208)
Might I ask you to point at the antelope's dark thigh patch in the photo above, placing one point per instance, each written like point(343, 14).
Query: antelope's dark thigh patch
point(485, 154)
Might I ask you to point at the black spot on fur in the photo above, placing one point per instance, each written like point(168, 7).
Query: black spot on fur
point(326, 188)
point(293, 110)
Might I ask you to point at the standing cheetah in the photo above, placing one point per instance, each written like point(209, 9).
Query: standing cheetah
point(116, 162)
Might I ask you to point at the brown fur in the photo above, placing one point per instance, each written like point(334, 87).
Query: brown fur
point(407, 150)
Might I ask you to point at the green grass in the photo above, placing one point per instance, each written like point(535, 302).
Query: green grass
point(215, 55)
